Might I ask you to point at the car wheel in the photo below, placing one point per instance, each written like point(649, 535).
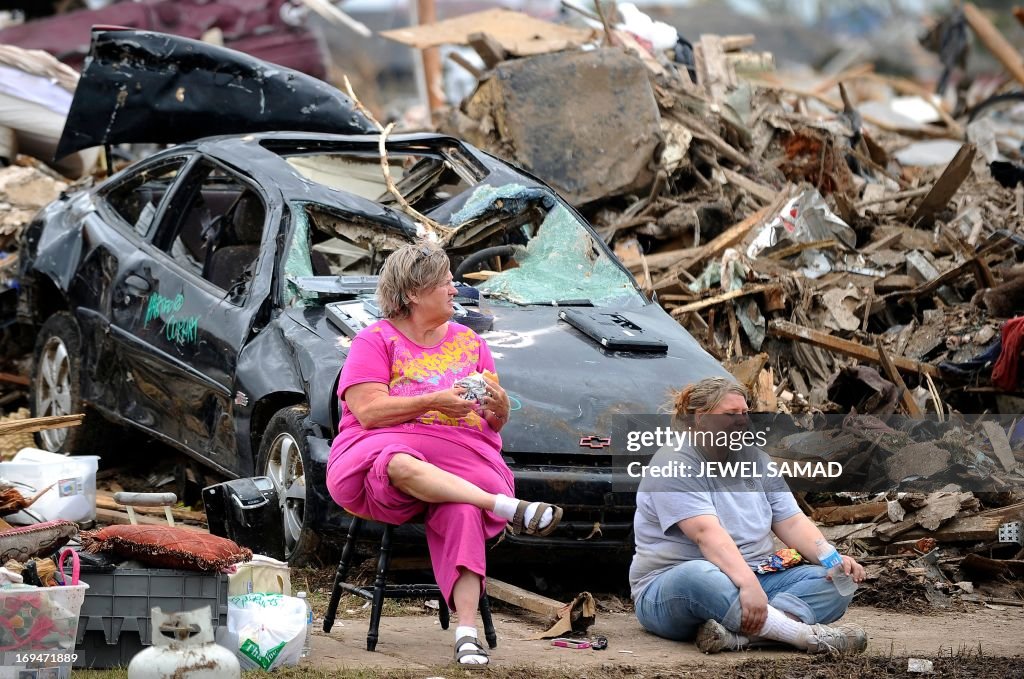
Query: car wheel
point(283, 457)
point(56, 384)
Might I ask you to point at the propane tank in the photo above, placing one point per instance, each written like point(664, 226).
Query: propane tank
point(183, 648)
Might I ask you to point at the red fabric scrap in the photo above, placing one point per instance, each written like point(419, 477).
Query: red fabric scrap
point(1004, 372)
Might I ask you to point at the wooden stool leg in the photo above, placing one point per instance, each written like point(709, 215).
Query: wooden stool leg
point(380, 584)
point(485, 617)
point(444, 615)
point(347, 554)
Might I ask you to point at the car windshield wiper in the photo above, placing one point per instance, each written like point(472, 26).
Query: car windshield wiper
point(562, 302)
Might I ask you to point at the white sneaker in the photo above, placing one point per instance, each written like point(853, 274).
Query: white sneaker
point(843, 639)
point(713, 637)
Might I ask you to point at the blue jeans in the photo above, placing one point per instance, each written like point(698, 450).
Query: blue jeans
point(682, 598)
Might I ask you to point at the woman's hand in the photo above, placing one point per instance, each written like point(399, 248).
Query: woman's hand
point(450, 402)
point(754, 604)
point(853, 569)
point(496, 401)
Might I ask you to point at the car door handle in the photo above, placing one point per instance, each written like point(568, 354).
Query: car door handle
point(137, 283)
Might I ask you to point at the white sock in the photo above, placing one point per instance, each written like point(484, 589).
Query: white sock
point(466, 631)
point(781, 627)
point(505, 507)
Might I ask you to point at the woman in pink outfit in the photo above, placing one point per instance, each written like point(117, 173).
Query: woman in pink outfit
point(410, 444)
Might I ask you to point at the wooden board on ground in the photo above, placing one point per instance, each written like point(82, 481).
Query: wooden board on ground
point(523, 598)
point(34, 424)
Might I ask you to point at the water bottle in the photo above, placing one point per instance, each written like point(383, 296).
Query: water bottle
point(830, 559)
point(308, 640)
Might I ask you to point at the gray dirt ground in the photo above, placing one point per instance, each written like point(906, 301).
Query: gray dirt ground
point(417, 642)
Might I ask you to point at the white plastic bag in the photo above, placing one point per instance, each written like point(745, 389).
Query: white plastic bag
point(266, 631)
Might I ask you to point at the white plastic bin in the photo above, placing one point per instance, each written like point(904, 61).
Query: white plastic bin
point(42, 621)
point(73, 497)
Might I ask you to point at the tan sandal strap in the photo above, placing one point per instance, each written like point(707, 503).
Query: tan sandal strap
point(519, 516)
point(537, 516)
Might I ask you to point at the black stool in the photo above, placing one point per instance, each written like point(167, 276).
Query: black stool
point(381, 589)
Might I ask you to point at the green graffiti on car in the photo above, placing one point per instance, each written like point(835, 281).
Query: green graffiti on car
point(177, 329)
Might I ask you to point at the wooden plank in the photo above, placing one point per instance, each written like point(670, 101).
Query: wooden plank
point(466, 64)
point(1000, 444)
point(691, 257)
point(764, 193)
point(990, 36)
point(489, 49)
point(519, 34)
point(732, 43)
point(34, 424)
point(105, 499)
point(845, 514)
point(724, 297)
point(788, 330)
point(956, 272)
point(113, 516)
point(523, 598)
point(893, 375)
point(945, 187)
point(10, 378)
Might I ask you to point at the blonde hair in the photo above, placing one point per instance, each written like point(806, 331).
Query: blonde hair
point(703, 396)
point(407, 271)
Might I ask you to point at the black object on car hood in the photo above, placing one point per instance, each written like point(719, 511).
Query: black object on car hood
point(146, 87)
point(563, 385)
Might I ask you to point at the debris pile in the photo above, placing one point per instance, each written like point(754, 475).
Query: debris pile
point(830, 241)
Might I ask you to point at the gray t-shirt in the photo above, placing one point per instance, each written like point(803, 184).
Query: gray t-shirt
point(746, 506)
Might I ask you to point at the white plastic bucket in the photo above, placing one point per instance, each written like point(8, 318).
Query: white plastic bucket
point(262, 575)
point(73, 495)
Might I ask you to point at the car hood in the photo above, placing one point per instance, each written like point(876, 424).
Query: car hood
point(147, 87)
point(563, 385)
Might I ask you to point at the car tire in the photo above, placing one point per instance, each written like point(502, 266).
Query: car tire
point(284, 455)
point(57, 387)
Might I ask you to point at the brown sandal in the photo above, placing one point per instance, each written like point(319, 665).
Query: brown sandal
point(479, 650)
point(518, 521)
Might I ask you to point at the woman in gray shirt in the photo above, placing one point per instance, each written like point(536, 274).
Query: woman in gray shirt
point(701, 537)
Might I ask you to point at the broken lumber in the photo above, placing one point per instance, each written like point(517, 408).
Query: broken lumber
point(691, 257)
point(945, 187)
point(1000, 444)
point(113, 516)
point(893, 375)
point(970, 266)
point(10, 378)
point(523, 598)
point(34, 424)
point(723, 297)
point(846, 514)
point(788, 330)
point(105, 500)
point(998, 45)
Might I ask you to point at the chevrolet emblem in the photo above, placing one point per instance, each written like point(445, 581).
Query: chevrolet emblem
point(595, 441)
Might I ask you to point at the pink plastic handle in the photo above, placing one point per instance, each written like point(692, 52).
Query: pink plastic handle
point(75, 564)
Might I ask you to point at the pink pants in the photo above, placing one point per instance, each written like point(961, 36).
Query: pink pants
point(357, 479)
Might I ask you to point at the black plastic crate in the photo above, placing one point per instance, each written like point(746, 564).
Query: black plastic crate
point(114, 623)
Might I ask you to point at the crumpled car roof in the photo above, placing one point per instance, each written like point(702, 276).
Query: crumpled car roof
point(147, 87)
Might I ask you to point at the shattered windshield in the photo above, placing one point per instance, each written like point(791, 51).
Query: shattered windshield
point(513, 243)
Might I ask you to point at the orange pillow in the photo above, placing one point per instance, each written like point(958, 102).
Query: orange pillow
point(167, 547)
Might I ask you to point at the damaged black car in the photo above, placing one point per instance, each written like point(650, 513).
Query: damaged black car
point(207, 295)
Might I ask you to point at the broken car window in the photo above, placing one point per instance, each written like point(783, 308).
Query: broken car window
point(136, 199)
point(554, 258)
point(424, 181)
point(216, 229)
point(517, 244)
